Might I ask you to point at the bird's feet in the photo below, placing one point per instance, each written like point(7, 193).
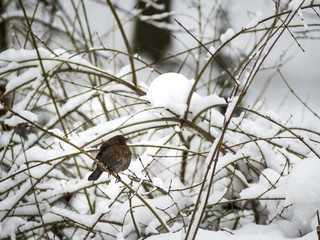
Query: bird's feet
point(118, 178)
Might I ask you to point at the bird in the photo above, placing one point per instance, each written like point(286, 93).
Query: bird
point(115, 154)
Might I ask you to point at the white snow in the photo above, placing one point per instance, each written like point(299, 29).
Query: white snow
point(257, 158)
point(157, 182)
point(227, 35)
point(157, 16)
point(254, 21)
point(212, 50)
point(295, 5)
point(125, 70)
point(8, 227)
point(57, 132)
point(199, 103)
point(88, 220)
point(120, 236)
point(22, 80)
point(13, 55)
point(15, 120)
point(231, 106)
point(247, 232)
point(303, 191)
point(170, 90)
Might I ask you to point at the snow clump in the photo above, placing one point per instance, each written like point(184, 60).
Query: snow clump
point(227, 35)
point(170, 90)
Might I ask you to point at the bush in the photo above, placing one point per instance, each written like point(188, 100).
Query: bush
point(202, 160)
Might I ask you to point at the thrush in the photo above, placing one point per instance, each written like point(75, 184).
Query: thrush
point(115, 155)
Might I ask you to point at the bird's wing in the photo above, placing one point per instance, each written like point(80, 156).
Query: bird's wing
point(103, 148)
point(115, 158)
point(111, 156)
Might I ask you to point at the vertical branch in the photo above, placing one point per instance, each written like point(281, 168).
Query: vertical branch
point(207, 182)
point(3, 30)
point(126, 42)
point(132, 215)
point(45, 76)
point(318, 227)
point(33, 189)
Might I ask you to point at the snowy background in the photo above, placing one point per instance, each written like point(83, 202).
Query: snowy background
point(220, 151)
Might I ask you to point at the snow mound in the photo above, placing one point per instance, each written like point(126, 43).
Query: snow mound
point(302, 190)
point(227, 35)
point(14, 120)
point(170, 90)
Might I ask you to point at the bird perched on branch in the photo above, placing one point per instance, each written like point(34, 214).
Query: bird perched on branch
point(115, 155)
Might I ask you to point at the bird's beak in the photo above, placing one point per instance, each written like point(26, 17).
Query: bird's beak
point(127, 139)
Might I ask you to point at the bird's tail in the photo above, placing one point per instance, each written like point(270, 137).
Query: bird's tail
point(95, 175)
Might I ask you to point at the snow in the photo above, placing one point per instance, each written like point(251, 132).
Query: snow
point(83, 219)
point(300, 192)
point(202, 234)
point(170, 90)
point(15, 120)
point(227, 35)
point(198, 103)
point(21, 80)
point(258, 17)
point(57, 132)
point(13, 55)
point(231, 106)
point(13, 199)
point(155, 5)
point(258, 160)
point(158, 182)
point(157, 16)
point(11, 224)
point(212, 50)
point(248, 232)
point(120, 236)
point(303, 191)
point(294, 6)
point(124, 71)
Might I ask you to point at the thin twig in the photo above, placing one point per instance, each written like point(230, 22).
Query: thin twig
point(126, 42)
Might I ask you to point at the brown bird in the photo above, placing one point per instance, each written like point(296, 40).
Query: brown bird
point(115, 155)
